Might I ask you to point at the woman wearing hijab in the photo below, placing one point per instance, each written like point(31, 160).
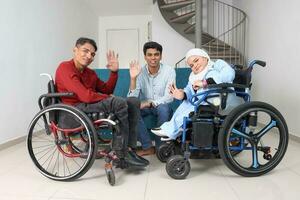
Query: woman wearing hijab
point(204, 72)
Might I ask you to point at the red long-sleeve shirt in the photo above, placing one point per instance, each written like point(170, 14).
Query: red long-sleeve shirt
point(86, 86)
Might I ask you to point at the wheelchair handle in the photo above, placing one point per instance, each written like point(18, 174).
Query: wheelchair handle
point(257, 62)
point(48, 75)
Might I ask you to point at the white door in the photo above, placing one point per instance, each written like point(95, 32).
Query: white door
point(125, 42)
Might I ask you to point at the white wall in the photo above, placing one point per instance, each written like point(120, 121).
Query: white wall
point(35, 36)
point(126, 22)
point(174, 45)
point(274, 36)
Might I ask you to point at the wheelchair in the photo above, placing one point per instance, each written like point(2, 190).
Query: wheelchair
point(63, 142)
point(251, 139)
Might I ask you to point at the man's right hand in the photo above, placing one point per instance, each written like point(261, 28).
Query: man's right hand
point(134, 69)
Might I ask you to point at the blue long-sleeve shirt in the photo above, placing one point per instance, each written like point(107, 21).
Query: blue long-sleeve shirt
point(154, 87)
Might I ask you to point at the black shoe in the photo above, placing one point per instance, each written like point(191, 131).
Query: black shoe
point(133, 161)
point(140, 158)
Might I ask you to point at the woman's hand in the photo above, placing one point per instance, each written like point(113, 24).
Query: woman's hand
point(175, 92)
point(197, 85)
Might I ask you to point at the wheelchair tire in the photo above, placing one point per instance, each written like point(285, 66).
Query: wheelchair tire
point(110, 176)
point(165, 151)
point(177, 167)
point(51, 148)
point(265, 141)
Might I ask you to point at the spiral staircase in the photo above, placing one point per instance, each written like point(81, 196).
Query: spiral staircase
point(223, 27)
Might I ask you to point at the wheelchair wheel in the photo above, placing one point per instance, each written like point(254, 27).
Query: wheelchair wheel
point(110, 176)
point(177, 167)
point(61, 151)
point(258, 132)
point(165, 151)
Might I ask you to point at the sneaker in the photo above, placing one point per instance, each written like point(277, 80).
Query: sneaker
point(165, 139)
point(159, 132)
point(146, 152)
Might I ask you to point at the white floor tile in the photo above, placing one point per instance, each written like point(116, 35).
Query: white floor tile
point(209, 179)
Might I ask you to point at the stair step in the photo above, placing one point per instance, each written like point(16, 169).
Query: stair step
point(176, 5)
point(190, 29)
point(220, 56)
point(183, 18)
point(217, 48)
point(214, 43)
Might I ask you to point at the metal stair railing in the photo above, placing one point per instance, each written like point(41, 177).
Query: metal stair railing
point(223, 25)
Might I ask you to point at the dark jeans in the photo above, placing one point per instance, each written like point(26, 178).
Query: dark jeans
point(163, 113)
point(127, 112)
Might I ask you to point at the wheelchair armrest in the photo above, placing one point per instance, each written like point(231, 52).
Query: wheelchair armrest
point(223, 89)
point(227, 85)
point(58, 94)
point(53, 95)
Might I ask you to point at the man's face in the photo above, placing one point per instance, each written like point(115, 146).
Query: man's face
point(84, 54)
point(152, 57)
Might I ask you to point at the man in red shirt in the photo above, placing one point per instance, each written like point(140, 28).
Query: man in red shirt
point(94, 95)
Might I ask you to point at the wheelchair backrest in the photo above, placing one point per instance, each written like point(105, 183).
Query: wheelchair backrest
point(242, 75)
point(52, 100)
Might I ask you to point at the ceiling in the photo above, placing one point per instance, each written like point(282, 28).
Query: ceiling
point(120, 7)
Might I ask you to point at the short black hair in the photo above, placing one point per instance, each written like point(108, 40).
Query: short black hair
point(83, 40)
point(152, 45)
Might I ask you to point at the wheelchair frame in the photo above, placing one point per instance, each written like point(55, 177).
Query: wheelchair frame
point(231, 136)
point(67, 153)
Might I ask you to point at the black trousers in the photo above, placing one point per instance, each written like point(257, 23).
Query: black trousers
point(127, 112)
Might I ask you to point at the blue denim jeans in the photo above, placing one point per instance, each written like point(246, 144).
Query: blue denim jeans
point(163, 113)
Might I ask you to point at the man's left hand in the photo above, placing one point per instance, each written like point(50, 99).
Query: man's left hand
point(146, 104)
point(112, 61)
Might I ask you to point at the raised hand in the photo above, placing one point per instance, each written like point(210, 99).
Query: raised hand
point(112, 61)
point(175, 92)
point(134, 69)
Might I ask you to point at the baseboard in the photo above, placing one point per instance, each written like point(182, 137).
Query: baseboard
point(12, 142)
point(294, 138)
point(23, 138)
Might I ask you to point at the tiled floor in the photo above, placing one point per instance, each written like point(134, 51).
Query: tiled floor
point(208, 180)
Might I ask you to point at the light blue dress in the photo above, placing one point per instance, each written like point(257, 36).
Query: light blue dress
point(221, 72)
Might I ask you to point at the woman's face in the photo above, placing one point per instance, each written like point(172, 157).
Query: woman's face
point(197, 63)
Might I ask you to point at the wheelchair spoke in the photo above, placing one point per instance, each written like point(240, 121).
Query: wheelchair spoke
point(49, 149)
point(239, 133)
point(45, 146)
point(52, 155)
point(55, 163)
point(255, 163)
point(267, 128)
point(66, 165)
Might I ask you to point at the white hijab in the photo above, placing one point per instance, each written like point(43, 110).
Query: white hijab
point(198, 52)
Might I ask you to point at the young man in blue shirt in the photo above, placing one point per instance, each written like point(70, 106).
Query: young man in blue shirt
point(150, 84)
